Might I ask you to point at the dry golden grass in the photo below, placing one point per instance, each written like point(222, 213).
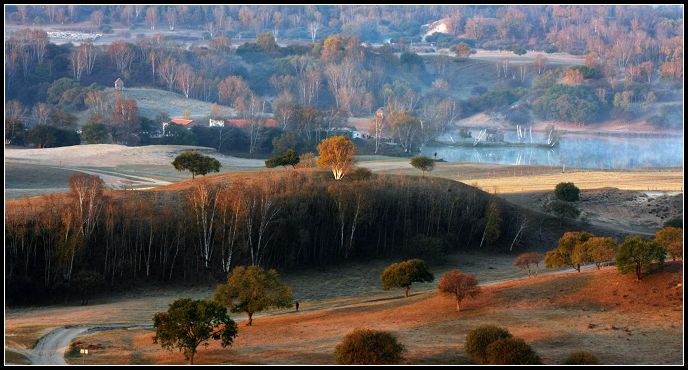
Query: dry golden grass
point(670, 180)
point(618, 319)
point(495, 178)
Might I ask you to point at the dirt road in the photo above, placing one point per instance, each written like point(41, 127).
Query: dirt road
point(51, 348)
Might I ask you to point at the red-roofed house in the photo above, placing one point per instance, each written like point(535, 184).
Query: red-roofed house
point(177, 121)
point(181, 121)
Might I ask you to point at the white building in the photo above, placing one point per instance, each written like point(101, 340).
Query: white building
point(216, 123)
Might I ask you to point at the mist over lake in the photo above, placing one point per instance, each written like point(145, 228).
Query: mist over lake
point(574, 151)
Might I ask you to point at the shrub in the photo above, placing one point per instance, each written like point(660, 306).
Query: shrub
point(480, 338)
point(288, 158)
point(581, 358)
point(361, 173)
point(307, 160)
point(369, 347)
point(567, 191)
point(562, 209)
point(570, 103)
point(520, 51)
point(675, 222)
point(511, 351)
point(423, 163)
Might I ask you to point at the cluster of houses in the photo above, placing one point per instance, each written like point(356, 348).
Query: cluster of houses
point(188, 123)
point(240, 123)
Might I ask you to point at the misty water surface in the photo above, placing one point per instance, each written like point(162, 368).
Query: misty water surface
point(575, 151)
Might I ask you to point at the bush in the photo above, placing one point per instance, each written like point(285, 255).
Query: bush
point(570, 103)
point(307, 160)
point(369, 347)
point(361, 173)
point(520, 51)
point(511, 351)
point(675, 222)
point(588, 72)
point(494, 100)
point(50, 137)
point(567, 191)
point(480, 338)
point(562, 209)
point(581, 358)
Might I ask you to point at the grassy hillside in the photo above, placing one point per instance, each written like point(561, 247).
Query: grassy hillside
point(618, 319)
point(152, 102)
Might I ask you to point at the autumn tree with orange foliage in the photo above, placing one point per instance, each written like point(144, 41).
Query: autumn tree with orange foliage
point(460, 285)
point(337, 153)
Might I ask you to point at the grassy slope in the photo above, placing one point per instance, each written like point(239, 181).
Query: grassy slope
point(618, 319)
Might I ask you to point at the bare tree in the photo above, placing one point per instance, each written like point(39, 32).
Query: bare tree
point(78, 63)
point(186, 79)
point(41, 113)
point(203, 200)
point(151, 17)
point(171, 17)
point(89, 52)
point(87, 192)
point(378, 121)
point(122, 54)
point(313, 28)
point(168, 71)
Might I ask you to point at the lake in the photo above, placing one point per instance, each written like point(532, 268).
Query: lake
point(574, 151)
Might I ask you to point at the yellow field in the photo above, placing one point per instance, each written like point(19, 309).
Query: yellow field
point(668, 181)
point(496, 178)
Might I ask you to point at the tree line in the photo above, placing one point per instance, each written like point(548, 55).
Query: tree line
point(278, 219)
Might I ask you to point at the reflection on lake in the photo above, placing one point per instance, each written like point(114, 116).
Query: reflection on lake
point(575, 151)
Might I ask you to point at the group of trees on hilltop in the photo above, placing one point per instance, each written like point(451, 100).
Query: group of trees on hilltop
point(279, 219)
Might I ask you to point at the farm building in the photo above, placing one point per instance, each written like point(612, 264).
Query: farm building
point(178, 121)
point(216, 123)
point(119, 84)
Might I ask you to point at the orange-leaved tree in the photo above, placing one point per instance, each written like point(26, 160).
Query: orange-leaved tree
point(337, 152)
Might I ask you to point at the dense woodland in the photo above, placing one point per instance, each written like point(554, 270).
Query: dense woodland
point(291, 218)
point(313, 67)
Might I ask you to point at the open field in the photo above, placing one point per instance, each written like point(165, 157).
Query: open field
point(618, 319)
point(147, 166)
point(149, 101)
point(528, 57)
point(495, 178)
point(38, 171)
